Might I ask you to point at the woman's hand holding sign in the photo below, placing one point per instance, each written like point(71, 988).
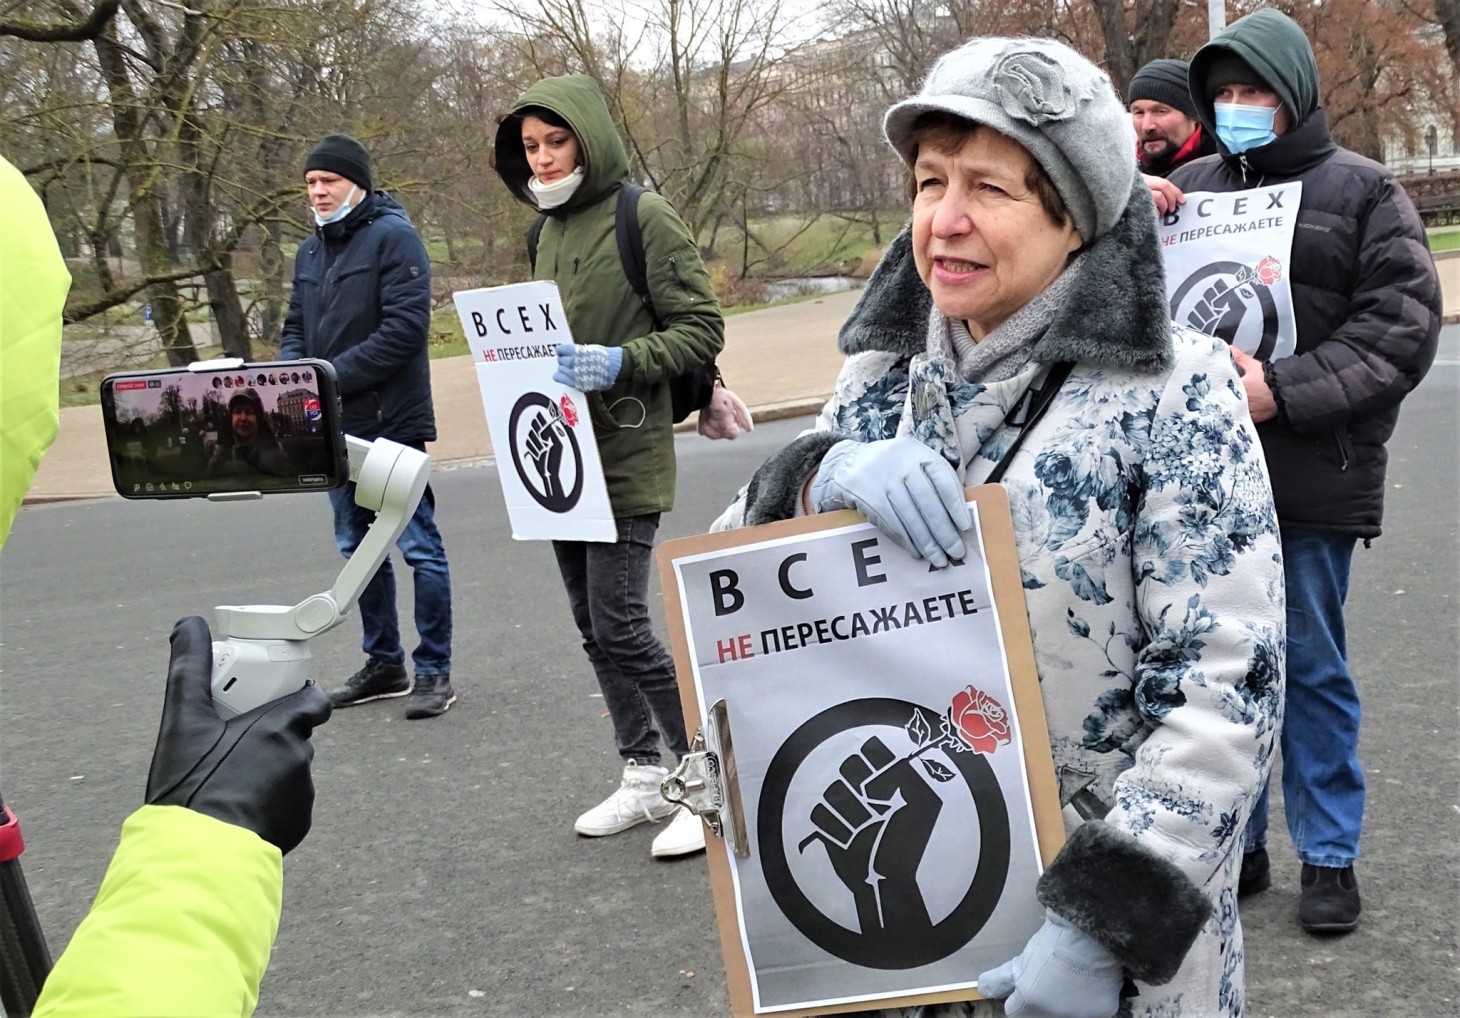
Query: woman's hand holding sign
point(905, 490)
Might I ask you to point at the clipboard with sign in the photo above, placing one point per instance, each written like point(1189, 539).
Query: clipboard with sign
point(873, 761)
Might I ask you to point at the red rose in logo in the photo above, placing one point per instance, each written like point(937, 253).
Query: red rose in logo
point(979, 720)
point(570, 412)
point(1269, 270)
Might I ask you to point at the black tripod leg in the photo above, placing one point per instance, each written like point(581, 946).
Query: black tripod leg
point(25, 960)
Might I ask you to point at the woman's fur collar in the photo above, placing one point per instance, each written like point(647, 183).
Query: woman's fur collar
point(1117, 314)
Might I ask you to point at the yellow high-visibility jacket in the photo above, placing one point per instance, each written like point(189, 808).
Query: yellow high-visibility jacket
point(182, 926)
point(33, 285)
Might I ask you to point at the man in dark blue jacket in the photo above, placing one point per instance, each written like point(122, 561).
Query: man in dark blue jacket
point(362, 301)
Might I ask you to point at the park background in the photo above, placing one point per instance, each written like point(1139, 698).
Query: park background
point(166, 137)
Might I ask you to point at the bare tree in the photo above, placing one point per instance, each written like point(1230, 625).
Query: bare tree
point(71, 23)
point(685, 80)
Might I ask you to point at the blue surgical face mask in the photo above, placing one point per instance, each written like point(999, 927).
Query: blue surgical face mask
point(1241, 127)
point(344, 209)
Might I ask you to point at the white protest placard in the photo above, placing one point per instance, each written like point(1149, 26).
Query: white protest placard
point(541, 431)
point(890, 757)
point(1228, 260)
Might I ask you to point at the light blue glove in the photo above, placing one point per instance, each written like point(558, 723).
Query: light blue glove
point(588, 367)
point(905, 490)
point(1061, 973)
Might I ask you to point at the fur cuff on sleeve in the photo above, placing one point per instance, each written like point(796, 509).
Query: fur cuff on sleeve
point(774, 492)
point(1138, 905)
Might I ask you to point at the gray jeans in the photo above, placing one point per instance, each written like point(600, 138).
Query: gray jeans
point(608, 587)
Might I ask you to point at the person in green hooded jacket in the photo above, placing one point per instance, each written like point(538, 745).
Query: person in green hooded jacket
point(558, 152)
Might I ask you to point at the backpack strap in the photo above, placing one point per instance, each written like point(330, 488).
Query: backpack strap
point(534, 233)
point(630, 237)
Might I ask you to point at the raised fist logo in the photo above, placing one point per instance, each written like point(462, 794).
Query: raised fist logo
point(875, 823)
point(857, 844)
point(546, 438)
point(545, 451)
point(1233, 302)
point(1220, 310)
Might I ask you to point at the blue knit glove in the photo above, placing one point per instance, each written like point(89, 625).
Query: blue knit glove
point(1061, 973)
point(588, 367)
point(905, 490)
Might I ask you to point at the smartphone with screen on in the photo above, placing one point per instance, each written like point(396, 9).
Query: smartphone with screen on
point(260, 428)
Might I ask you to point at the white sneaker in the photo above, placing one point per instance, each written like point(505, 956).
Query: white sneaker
point(685, 835)
point(637, 801)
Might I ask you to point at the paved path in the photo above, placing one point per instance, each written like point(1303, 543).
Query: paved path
point(779, 360)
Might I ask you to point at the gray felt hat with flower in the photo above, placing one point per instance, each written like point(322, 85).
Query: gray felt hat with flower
point(1051, 100)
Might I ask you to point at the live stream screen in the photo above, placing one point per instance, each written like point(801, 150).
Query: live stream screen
point(261, 428)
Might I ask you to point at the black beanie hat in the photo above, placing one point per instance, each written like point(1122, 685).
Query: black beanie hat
point(1163, 81)
point(339, 153)
point(1227, 68)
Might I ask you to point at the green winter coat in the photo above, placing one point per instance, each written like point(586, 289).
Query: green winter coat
point(578, 250)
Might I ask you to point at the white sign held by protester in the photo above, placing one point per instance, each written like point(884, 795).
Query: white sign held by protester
point(541, 433)
point(1228, 266)
point(879, 760)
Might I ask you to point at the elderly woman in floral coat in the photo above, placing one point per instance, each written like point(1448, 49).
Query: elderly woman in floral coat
point(1019, 332)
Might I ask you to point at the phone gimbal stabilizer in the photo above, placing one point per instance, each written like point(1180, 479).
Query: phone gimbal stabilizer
point(260, 651)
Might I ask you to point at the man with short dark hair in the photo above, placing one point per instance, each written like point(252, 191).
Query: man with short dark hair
point(1366, 308)
point(362, 301)
point(1168, 132)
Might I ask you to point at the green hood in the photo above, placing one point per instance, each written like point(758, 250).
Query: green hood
point(1273, 45)
point(579, 101)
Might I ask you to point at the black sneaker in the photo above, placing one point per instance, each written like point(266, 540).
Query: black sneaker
point(431, 697)
point(1256, 875)
point(1329, 900)
point(376, 681)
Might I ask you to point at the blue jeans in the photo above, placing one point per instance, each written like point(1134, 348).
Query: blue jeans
point(420, 544)
point(608, 592)
point(1323, 785)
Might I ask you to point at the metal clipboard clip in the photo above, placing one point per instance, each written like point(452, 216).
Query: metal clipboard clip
point(707, 783)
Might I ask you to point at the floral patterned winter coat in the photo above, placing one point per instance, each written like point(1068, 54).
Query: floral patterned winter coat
point(1153, 576)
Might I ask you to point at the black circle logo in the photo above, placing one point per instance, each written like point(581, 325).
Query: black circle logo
point(1228, 300)
point(544, 451)
point(874, 823)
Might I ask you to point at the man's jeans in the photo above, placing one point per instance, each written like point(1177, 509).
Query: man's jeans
point(420, 544)
point(1323, 785)
point(608, 586)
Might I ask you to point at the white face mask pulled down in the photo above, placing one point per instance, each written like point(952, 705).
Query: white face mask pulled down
point(345, 208)
point(550, 196)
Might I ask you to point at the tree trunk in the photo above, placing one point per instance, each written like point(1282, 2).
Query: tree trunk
point(271, 271)
point(142, 180)
point(1448, 12)
point(228, 310)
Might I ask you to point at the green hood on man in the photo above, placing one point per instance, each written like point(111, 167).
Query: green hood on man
point(1273, 45)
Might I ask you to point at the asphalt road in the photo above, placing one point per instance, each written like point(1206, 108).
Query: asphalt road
point(443, 876)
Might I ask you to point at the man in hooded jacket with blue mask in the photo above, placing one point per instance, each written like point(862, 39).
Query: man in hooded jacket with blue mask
point(1366, 305)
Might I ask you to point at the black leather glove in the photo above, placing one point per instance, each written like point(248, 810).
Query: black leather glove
point(252, 770)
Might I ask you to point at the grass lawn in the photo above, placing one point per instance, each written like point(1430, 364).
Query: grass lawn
point(1445, 239)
